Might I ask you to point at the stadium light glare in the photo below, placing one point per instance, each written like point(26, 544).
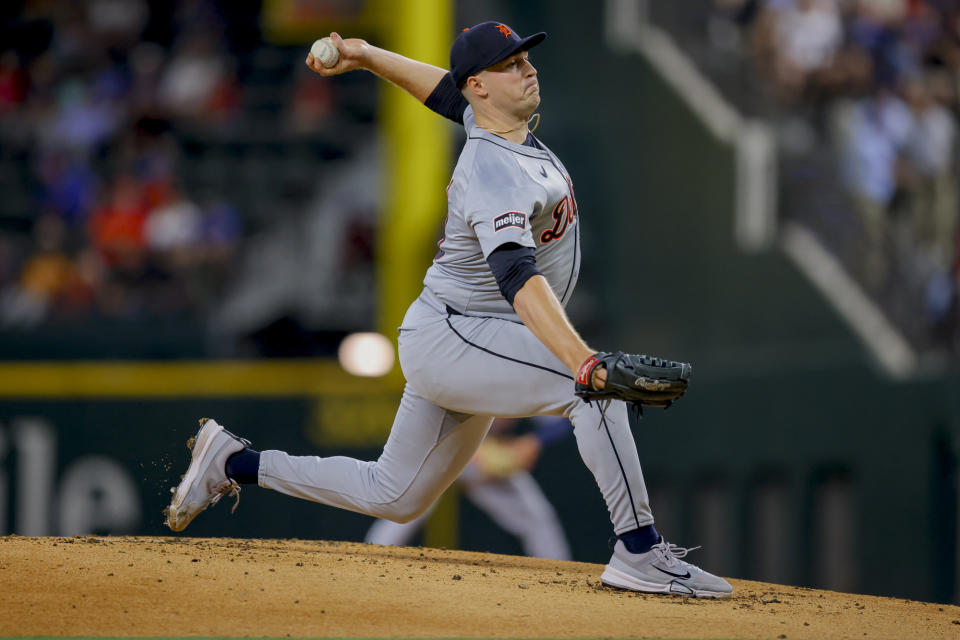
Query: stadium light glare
point(366, 354)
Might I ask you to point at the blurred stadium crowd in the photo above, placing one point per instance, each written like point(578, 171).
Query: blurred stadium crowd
point(141, 143)
point(890, 70)
point(87, 110)
point(874, 83)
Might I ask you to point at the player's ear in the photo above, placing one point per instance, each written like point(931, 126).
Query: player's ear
point(475, 86)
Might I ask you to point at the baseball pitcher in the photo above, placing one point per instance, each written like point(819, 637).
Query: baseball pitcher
point(488, 336)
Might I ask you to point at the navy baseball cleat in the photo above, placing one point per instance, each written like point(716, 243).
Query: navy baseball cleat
point(661, 570)
point(205, 481)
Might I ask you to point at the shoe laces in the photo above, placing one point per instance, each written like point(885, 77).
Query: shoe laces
point(229, 487)
point(670, 553)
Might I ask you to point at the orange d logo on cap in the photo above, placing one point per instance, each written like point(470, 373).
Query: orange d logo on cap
point(504, 29)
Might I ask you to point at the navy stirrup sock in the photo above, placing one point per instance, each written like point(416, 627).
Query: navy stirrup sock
point(244, 466)
point(640, 540)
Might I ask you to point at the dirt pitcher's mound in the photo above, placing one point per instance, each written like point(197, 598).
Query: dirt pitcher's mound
point(222, 587)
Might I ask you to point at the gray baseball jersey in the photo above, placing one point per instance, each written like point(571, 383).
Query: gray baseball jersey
point(503, 192)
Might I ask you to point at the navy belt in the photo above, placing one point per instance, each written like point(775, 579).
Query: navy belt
point(453, 312)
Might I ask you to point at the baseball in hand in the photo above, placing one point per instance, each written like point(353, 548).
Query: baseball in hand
point(325, 51)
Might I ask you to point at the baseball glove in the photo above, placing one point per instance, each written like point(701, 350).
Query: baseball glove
point(641, 380)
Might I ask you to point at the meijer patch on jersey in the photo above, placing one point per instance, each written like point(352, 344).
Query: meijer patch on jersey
point(510, 219)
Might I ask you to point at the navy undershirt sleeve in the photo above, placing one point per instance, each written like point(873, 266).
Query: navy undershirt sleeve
point(512, 265)
point(447, 100)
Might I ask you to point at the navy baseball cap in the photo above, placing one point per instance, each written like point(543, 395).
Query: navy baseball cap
point(485, 45)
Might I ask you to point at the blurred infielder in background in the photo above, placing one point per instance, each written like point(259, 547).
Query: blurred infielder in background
point(488, 336)
point(497, 479)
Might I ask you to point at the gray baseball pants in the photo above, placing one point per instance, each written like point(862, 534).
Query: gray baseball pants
point(461, 371)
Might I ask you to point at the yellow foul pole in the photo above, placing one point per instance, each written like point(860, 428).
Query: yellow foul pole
point(417, 161)
point(418, 167)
